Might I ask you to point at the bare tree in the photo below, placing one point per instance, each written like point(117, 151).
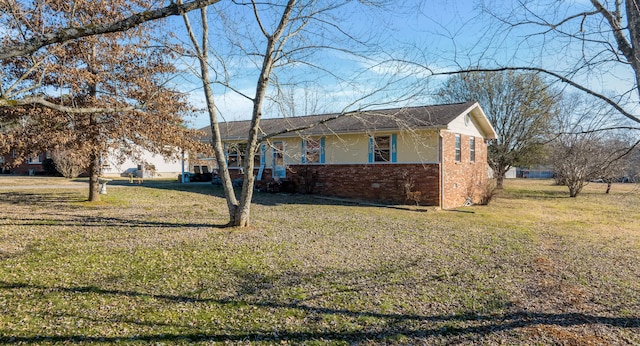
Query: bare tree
point(579, 45)
point(282, 35)
point(585, 149)
point(581, 158)
point(520, 106)
point(591, 47)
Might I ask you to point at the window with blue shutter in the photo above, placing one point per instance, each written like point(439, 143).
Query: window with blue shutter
point(383, 148)
point(313, 150)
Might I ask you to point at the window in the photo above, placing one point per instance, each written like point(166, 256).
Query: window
point(278, 153)
point(236, 155)
point(257, 158)
point(34, 160)
point(472, 149)
point(313, 150)
point(458, 148)
point(382, 149)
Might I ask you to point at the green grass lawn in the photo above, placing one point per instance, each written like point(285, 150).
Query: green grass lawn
point(151, 265)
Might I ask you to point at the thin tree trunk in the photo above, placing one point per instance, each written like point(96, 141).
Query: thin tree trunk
point(203, 57)
point(271, 53)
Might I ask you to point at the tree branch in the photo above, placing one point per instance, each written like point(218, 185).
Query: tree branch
point(67, 34)
point(31, 100)
point(558, 76)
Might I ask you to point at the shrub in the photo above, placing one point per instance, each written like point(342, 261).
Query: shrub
point(70, 165)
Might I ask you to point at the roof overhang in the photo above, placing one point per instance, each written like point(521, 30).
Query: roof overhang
point(484, 125)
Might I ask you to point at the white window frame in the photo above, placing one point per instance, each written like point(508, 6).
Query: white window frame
point(312, 151)
point(236, 154)
point(379, 151)
point(34, 160)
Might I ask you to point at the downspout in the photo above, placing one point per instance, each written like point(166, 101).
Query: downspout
point(441, 167)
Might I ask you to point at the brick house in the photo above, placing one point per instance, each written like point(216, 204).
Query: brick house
point(432, 155)
point(30, 166)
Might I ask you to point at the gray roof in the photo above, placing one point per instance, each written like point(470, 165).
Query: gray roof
point(435, 116)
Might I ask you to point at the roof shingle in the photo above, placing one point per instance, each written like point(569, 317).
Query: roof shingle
point(434, 116)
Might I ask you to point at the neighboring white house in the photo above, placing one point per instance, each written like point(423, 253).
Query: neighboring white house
point(149, 166)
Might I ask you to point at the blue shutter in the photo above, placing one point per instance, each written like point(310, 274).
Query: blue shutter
point(394, 140)
point(304, 153)
point(371, 149)
point(263, 156)
point(322, 150)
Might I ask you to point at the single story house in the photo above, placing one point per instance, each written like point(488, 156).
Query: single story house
point(431, 155)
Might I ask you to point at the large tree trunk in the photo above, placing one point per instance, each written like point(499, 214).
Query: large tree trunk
point(633, 19)
point(94, 171)
point(499, 171)
point(499, 181)
point(574, 187)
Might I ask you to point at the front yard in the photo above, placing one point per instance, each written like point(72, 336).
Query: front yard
point(151, 264)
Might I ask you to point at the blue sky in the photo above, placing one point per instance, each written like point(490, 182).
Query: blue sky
point(439, 34)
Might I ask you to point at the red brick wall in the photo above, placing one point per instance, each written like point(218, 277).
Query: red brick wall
point(21, 169)
point(374, 182)
point(465, 179)
point(386, 182)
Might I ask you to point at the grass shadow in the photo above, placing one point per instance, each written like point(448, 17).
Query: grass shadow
point(274, 199)
point(101, 221)
point(44, 198)
point(466, 324)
